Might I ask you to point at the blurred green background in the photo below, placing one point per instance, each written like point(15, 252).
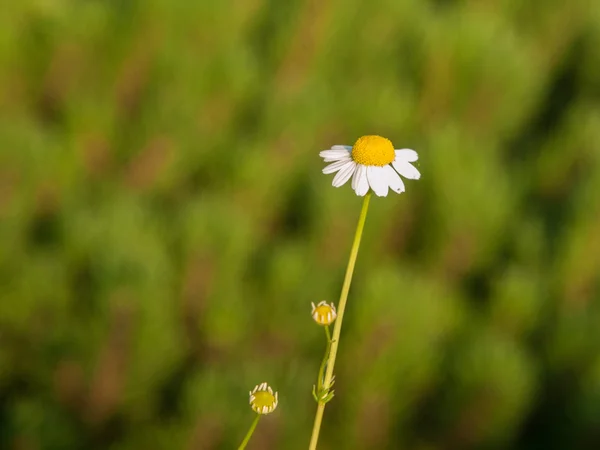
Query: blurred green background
point(164, 223)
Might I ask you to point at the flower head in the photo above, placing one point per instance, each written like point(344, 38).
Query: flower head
point(323, 313)
point(371, 163)
point(262, 399)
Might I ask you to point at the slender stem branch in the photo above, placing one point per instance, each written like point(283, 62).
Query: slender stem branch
point(335, 341)
point(249, 434)
point(324, 362)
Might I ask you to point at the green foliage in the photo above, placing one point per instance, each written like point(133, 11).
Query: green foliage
point(164, 224)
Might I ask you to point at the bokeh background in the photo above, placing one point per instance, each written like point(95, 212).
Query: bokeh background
point(164, 223)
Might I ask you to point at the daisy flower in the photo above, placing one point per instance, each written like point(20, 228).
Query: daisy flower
point(323, 313)
point(371, 163)
point(263, 400)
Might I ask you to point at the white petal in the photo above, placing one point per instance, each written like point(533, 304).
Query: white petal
point(394, 181)
point(334, 167)
point(355, 176)
point(406, 154)
point(360, 184)
point(407, 170)
point(344, 147)
point(344, 174)
point(334, 154)
point(334, 159)
point(377, 180)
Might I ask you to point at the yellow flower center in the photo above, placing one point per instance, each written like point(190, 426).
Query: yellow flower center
point(373, 151)
point(323, 310)
point(262, 399)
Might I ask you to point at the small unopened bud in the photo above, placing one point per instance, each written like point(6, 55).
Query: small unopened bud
point(262, 399)
point(323, 313)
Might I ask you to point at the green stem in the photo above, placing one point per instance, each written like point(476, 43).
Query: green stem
point(324, 362)
point(249, 434)
point(328, 333)
point(338, 323)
